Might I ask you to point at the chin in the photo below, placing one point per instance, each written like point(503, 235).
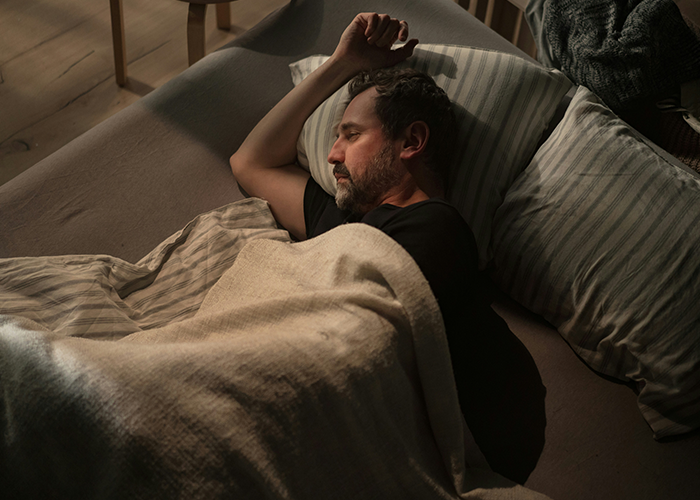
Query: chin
point(343, 198)
point(348, 197)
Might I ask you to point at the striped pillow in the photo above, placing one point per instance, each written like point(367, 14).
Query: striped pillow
point(600, 235)
point(503, 105)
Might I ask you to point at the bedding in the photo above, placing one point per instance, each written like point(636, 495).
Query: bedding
point(311, 370)
point(599, 236)
point(503, 105)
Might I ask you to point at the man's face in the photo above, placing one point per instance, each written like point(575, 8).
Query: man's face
point(364, 159)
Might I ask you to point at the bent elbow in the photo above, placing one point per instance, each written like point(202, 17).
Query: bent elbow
point(242, 169)
point(236, 164)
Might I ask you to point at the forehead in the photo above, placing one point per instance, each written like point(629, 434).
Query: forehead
point(360, 111)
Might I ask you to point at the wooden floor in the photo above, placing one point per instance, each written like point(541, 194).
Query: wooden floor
point(57, 67)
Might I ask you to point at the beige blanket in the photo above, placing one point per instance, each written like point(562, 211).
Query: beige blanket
point(311, 370)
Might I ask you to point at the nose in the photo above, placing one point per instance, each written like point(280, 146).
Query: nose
point(337, 154)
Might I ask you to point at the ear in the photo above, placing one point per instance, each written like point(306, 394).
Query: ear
point(415, 139)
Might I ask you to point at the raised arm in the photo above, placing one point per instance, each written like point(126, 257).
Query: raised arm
point(265, 164)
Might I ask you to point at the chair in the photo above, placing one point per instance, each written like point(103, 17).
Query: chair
point(195, 25)
point(195, 31)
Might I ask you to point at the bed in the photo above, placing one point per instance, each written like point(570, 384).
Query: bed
point(149, 187)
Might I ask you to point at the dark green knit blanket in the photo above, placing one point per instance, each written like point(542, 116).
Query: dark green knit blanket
point(623, 50)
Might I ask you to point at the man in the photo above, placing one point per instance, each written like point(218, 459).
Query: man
point(265, 166)
point(390, 169)
point(390, 161)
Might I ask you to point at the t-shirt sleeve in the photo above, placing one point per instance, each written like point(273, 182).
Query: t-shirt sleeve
point(316, 200)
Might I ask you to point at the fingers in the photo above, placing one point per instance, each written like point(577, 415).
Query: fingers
point(407, 49)
point(402, 53)
point(383, 30)
point(403, 31)
point(372, 22)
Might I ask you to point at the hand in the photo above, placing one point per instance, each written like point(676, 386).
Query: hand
point(366, 43)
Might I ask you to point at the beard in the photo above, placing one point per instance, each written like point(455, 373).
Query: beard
point(363, 193)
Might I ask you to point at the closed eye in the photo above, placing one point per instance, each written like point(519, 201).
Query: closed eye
point(348, 136)
point(347, 129)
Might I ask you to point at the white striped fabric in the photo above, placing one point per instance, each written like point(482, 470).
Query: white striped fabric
point(601, 236)
point(503, 105)
point(103, 297)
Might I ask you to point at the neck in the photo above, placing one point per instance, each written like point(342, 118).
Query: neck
point(427, 181)
point(406, 193)
point(417, 184)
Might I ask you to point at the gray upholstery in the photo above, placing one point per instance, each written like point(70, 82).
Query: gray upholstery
point(141, 175)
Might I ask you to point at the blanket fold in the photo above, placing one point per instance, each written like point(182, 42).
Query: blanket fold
point(104, 297)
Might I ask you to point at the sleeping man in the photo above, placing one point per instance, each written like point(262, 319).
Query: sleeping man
point(390, 160)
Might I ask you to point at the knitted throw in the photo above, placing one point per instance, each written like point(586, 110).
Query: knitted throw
point(623, 50)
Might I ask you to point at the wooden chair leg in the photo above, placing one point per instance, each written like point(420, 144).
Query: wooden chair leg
point(118, 41)
point(488, 19)
point(223, 16)
point(518, 26)
point(195, 32)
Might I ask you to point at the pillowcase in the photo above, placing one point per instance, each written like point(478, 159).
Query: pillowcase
point(600, 235)
point(503, 105)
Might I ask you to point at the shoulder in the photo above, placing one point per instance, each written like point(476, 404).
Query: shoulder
point(433, 216)
point(431, 227)
point(437, 211)
point(315, 196)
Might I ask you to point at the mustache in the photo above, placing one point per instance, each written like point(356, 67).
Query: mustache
point(341, 169)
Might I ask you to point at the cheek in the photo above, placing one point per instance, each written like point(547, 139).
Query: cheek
point(355, 172)
point(356, 161)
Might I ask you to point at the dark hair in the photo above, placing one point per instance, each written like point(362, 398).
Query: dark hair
point(405, 96)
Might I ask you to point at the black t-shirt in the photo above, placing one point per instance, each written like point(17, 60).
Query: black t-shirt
point(431, 231)
point(499, 388)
